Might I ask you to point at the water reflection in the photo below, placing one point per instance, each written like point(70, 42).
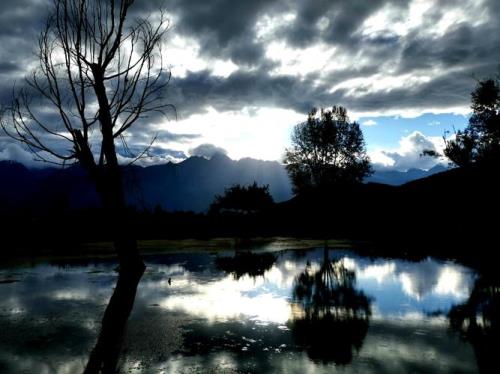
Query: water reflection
point(277, 312)
point(330, 317)
point(478, 321)
point(246, 263)
point(104, 357)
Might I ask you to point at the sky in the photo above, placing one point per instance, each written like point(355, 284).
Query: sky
point(244, 73)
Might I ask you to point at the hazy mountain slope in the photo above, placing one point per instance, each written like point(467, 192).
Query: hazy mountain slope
point(193, 183)
point(396, 178)
point(189, 185)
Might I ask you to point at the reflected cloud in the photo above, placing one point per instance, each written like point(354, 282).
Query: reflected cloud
point(227, 299)
point(453, 282)
point(378, 272)
point(208, 319)
point(415, 285)
point(427, 278)
point(77, 295)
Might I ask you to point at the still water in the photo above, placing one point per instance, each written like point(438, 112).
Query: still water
point(282, 311)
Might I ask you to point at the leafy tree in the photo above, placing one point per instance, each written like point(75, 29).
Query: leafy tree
point(243, 199)
point(98, 75)
point(327, 150)
point(479, 142)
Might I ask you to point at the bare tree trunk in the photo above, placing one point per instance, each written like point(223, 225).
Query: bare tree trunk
point(110, 186)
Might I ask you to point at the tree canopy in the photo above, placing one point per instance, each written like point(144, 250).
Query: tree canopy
point(243, 199)
point(327, 150)
point(479, 142)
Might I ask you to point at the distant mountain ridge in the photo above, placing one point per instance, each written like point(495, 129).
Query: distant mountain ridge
point(397, 178)
point(193, 183)
point(188, 185)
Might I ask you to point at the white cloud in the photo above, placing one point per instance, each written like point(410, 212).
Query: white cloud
point(295, 61)
point(15, 152)
point(185, 57)
point(370, 122)
point(409, 153)
point(428, 278)
point(434, 123)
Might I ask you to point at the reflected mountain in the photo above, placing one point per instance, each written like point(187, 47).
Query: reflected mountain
point(478, 321)
point(105, 355)
point(330, 317)
point(253, 264)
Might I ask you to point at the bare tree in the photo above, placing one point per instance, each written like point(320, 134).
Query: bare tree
point(99, 74)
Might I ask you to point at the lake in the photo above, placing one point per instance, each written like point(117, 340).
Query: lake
point(260, 311)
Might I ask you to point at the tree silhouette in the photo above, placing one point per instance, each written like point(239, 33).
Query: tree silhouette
point(99, 74)
point(105, 355)
point(243, 199)
point(331, 317)
point(253, 264)
point(479, 142)
point(327, 150)
point(478, 321)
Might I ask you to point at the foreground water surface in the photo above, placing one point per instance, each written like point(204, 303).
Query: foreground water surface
point(284, 311)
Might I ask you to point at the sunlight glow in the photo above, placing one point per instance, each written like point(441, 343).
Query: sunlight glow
point(261, 133)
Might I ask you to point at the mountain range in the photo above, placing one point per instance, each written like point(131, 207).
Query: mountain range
point(397, 178)
point(188, 185)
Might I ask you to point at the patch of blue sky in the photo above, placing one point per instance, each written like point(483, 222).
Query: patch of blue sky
point(388, 130)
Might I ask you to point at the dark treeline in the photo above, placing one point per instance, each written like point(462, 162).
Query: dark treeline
point(447, 213)
point(452, 214)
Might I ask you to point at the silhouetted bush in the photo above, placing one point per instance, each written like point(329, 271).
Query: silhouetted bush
point(243, 200)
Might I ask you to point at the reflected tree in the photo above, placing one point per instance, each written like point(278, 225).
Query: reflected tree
point(253, 264)
point(330, 317)
point(478, 321)
point(104, 357)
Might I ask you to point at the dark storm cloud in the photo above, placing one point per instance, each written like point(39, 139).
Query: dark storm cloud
point(343, 19)
point(462, 46)
point(20, 23)
point(224, 28)
point(465, 47)
point(240, 89)
point(256, 88)
point(227, 30)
